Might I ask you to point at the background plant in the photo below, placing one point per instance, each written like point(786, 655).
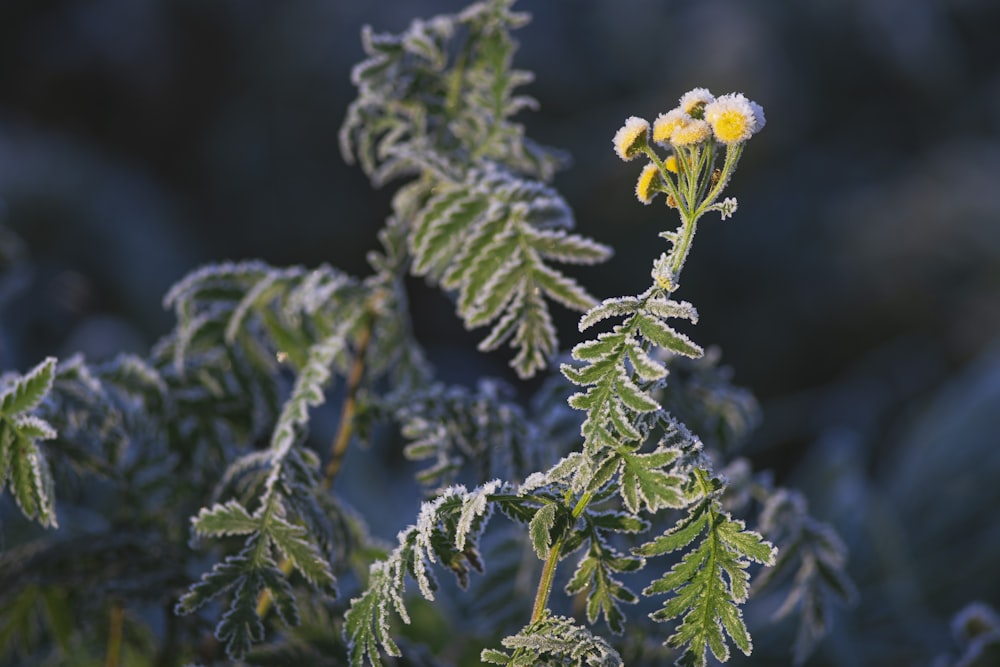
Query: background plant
point(195, 329)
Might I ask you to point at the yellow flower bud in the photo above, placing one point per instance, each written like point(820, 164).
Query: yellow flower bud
point(694, 132)
point(631, 138)
point(666, 123)
point(649, 183)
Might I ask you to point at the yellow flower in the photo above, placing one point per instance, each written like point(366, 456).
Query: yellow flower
point(666, 123)
point(631, 138)
point(693, 102)
point(694, 132)
point(734, 118)
point(649, 183)
point(671, 164)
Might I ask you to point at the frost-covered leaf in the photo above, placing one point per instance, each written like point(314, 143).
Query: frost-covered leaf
point(484, 224)
point(446, 533)
point(246, 575)
point(814, 557)
point(645, 483)
point(228, 519)
point(33, 427)
point(595, 572)
point(27, 391)
point(24, 469)
point(540, 529)
point(619, 368)
point(294, 544)
point(481, 238)
point(708, 583)
point(460, 434)
point(31, 483)
point(554, 640)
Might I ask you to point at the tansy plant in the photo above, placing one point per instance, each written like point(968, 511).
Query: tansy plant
point(618, 488)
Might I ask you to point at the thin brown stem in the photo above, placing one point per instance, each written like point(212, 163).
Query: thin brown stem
point(116, 623)
point(339, 447)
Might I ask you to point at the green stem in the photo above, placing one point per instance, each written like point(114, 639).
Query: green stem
point(665, 175)
point(733, 154)
point(680, 250)
point(545, 582)
point(549, 568)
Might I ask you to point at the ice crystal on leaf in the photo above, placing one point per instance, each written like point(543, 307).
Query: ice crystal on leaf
point(709, 581)
point(554, 640)
point(24, 466)
point(446, 533)
point(481, 221)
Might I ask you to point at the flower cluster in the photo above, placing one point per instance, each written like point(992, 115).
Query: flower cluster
point(692, 130)
point(699, 115)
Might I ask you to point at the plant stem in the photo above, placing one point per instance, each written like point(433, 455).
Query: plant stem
point(680, 250)
point(339, 447)
point(549, 569)
point(343, 437)
point(545, 582)
point(116, 621)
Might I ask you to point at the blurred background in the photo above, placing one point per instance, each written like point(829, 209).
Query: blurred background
point(856, 291)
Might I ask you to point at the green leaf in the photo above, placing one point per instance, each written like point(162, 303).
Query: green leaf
point(486, 232)
point(540, 529)
point(440, 230)
point(26, 471)
point(616, 307)
point(645, 366)
point(567, 248)
point(561, 288)
point(246, 575)
point(554, 640)
point(656, 331)
point(632, 396)
point(680, 534)
point(293, 543)
point(241, 626)
point(708, 583)
point(605, 593)
point(494, 657)
point(644, 483)
point(456, 517)
point(34, 428)
point(229, 519)
point(604, 346)
point(28, 390)
point(223, 577)
point(366, 623)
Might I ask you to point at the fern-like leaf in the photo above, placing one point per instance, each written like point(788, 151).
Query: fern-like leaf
point(488, 239)
point(595, 572)
point(24, 467)
point(818, 558)
point(454, 429)
point(708, 583)
point(447, 533)
point(613, 401)
point(27, 392)
point(483, 224)
point(554, 640)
